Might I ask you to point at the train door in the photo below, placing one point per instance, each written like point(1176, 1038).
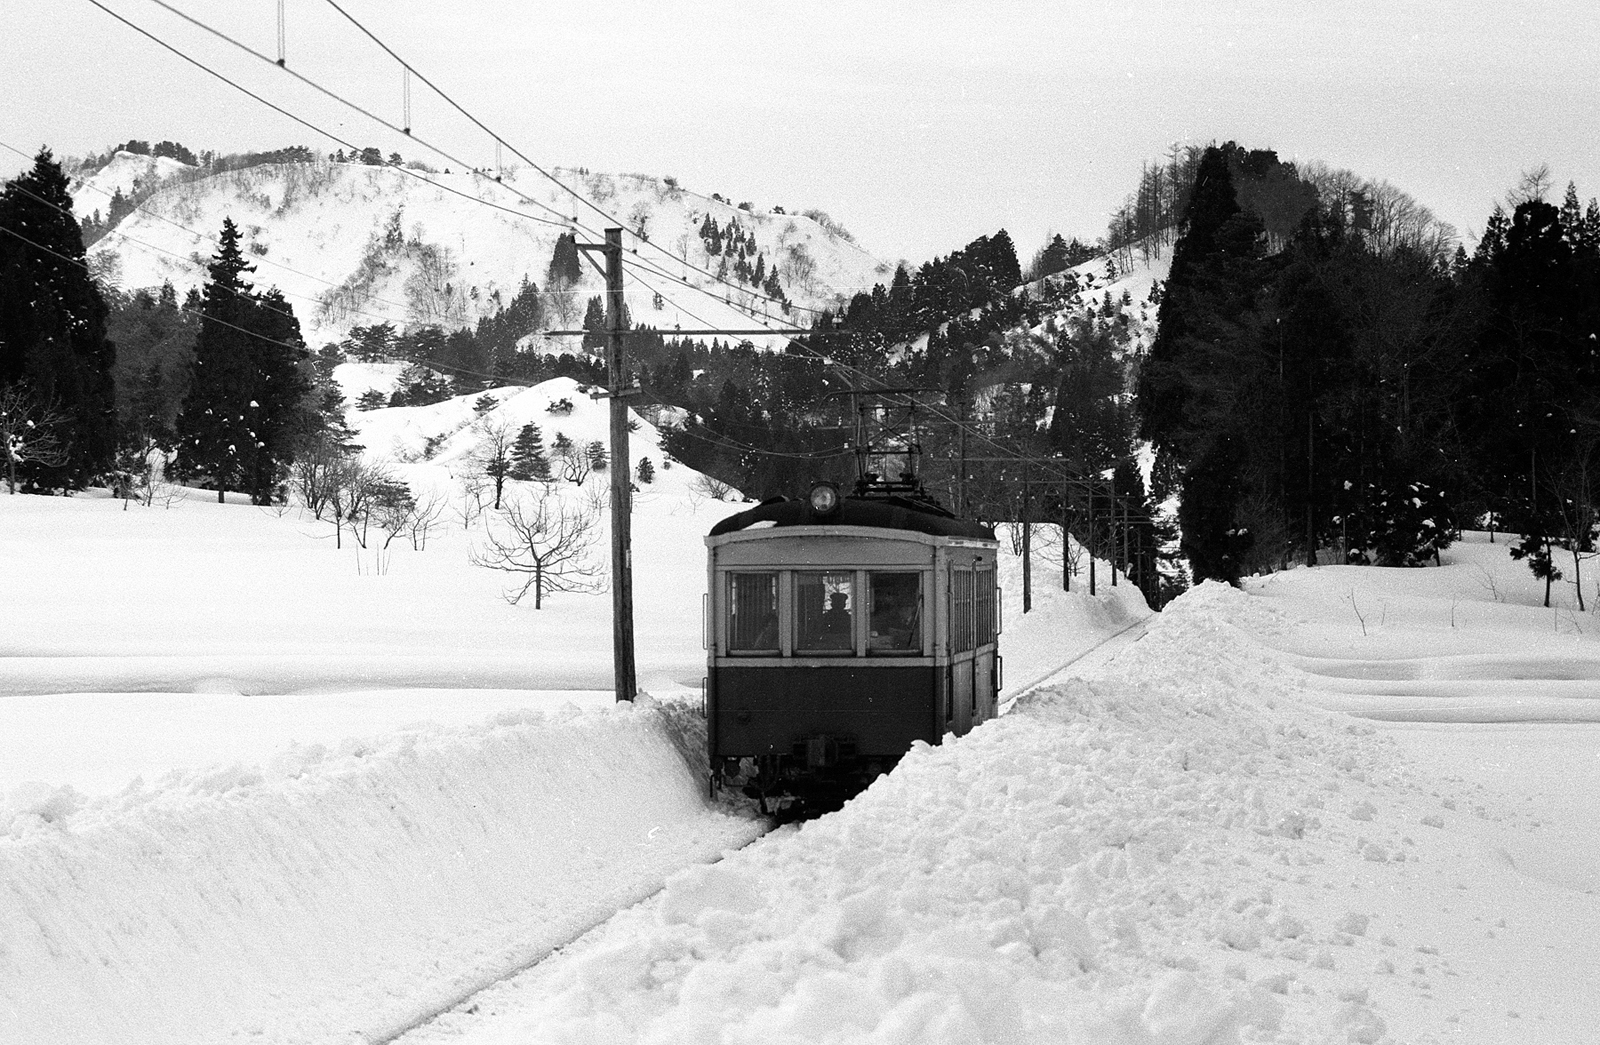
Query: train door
point(963, 660)
point(985, 674)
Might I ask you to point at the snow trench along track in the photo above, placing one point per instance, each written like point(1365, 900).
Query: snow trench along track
point(458, 996)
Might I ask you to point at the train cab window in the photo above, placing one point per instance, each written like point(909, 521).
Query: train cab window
point(896, 622)
point(752, 612)
point(825, 606)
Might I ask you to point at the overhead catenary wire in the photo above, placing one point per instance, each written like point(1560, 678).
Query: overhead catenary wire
point(377, 119)
point(342, 100)
point(308, 124)
point(500, 141)
point(564, 222)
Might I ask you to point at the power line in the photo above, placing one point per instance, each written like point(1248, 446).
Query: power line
point(306, 123)
point(369, 114)
point(520, 155)
point(377, 119)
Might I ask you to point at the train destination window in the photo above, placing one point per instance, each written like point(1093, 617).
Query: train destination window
point(752, 612)
point(825, 606)
point(896, 622)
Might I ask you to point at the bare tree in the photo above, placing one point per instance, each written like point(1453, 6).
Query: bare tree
point(320, 468)
point(425, 514)
point(352, 498)
point(798, 267)
point(1533, 184)
point(30, 432)
point(546, 539)
point(710, 486)
point(561, 302)
point(474, 486)
point(571, 461)
point(496, 440)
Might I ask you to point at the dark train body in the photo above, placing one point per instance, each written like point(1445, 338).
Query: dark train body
point(841, 632)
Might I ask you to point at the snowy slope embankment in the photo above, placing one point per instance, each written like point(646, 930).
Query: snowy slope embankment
point(331, 893)
point(1176, 852)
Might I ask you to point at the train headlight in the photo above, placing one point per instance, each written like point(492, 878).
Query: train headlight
point(824, 498)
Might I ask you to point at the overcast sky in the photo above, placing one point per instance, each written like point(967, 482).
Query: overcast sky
point(917, 125)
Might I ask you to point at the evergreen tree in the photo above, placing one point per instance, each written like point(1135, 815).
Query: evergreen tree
point(53, 324)
point(1188, 385)
point(245, 415)
point(284, 375)
point(647, 471)
point(528, 461)
point(594, 324)
point(1532, 405)
point(565, 268)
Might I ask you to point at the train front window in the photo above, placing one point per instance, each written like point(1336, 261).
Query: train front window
point(752, 612)
point(896, 623)
point(825, 606)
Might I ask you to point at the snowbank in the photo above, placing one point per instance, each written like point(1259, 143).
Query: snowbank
point(1178, 852)
point(350, 888)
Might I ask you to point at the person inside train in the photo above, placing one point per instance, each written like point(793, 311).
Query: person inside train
point(836, 633)
point(894, 622)
point(767, 631)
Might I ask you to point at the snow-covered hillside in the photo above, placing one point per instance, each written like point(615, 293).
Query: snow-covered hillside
point(353, 245)
point(125, 173)
point(1098, 279)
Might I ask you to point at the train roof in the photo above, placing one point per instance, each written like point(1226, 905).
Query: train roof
point(888, 513)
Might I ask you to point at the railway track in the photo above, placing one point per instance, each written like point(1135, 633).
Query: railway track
point(1104, 649)
point(429, 1009)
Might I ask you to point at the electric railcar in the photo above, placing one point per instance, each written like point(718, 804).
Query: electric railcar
point(840, 631)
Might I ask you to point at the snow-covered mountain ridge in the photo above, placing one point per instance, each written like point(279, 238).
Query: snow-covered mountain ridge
point(352, 244)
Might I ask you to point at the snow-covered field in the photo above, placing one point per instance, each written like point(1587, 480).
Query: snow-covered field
point(363, 792)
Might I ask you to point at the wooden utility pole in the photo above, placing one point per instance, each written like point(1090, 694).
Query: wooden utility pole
point(618, 392)
point(1114, 531)
point(1066, 537)
point(1027, 541)
point(961, 443)
point(1091, 535)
